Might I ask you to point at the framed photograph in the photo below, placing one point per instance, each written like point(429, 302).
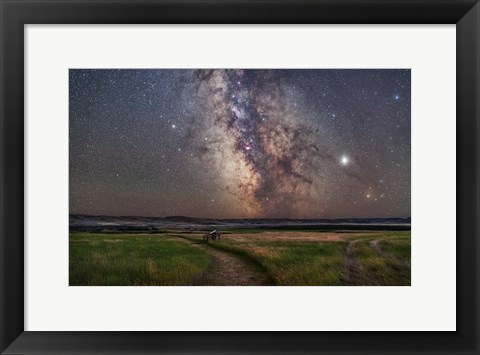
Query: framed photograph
point(240, 177)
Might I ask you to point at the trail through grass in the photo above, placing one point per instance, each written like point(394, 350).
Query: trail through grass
point(288, 258)
point(379, 259)
point(294, 263)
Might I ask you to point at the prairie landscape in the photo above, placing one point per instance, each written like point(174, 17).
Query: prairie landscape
point(241, 257)
point(233, 176)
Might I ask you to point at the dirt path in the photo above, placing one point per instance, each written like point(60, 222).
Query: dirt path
point(228, 269)
point(355, 274)
point(351, 266)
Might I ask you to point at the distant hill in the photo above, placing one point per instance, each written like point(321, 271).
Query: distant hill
point(86, 222)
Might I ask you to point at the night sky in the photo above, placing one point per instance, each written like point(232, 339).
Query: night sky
point(240, 143)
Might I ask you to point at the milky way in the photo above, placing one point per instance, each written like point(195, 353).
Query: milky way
point(240, 143)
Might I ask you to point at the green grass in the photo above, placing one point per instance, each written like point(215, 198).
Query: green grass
point(126, 260)
point(293, 263)
point(382, 258)
point(326, 263)
point(387, 263)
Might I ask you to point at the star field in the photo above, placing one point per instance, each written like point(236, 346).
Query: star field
point(240, 143)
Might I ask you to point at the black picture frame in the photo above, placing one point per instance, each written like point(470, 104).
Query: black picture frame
point(17, 13)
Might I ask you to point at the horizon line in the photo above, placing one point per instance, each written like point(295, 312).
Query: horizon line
point(237, 218)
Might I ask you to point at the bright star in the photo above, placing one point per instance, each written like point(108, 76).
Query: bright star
point(344, 160)
point(397, 97)
point(173, 126)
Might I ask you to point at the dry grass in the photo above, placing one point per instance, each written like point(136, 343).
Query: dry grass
point(290, 258)
point(325, 258)
point(284, 236)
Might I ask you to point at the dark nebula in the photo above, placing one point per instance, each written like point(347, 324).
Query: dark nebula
point(240, 143)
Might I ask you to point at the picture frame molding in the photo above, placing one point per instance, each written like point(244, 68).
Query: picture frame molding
point(15, 14)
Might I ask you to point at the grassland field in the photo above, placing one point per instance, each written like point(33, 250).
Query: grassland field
point(287, 258)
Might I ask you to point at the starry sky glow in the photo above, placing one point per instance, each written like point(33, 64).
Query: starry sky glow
point(240, 143)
